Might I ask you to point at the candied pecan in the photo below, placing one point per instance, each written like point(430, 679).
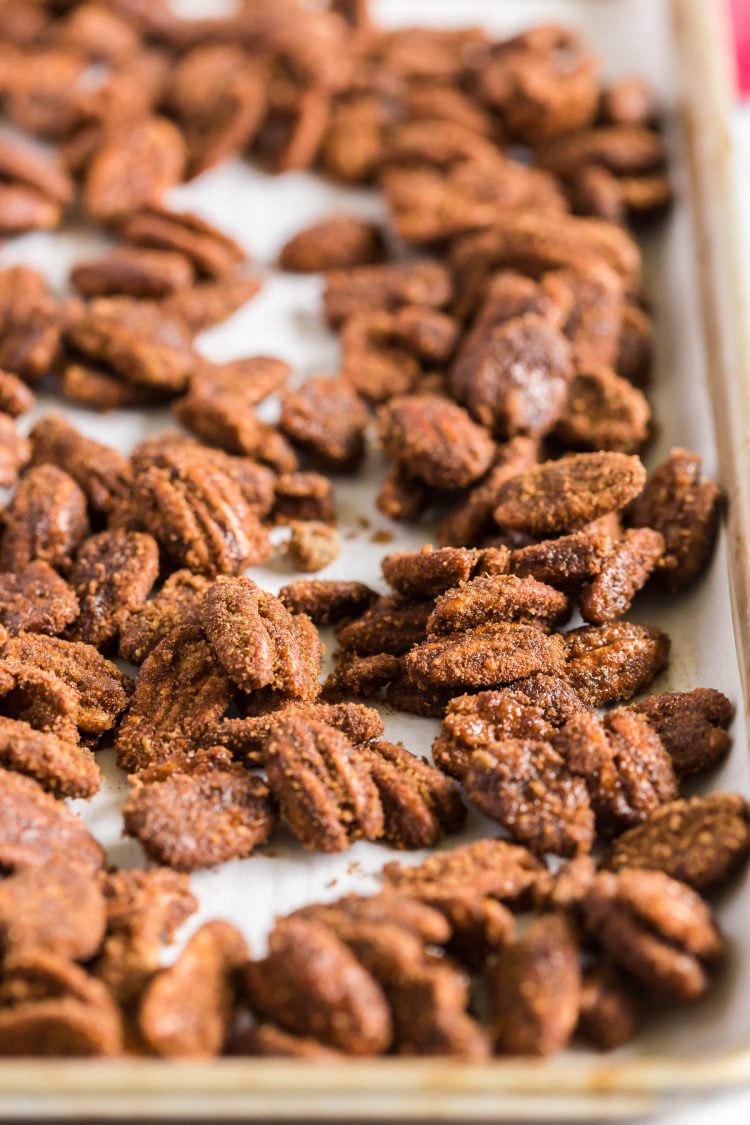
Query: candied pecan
point(31, 320)
point(37, 828)
point(134, 167)
point(401, 496)
point(327, 419)
point(352, 146)
point(685, 509)
point(268, 1041)
point(138, 340)
point(658, 930)
point(624, 572)
point(133, 272)
point(419, 804)
point(625, 149)
point(15, 451)
point(312, 545)
point(495, 868)
point(25, 166)
point(186, 1009)
point(565, 562)
point(434, 440)
point(15, 396)
point(246, 738)
point(310, 984)
point(202, 306)
point(327, 601)
point(176, 603)
point(100, 689)
point(101, 34)
point(604, 411)
point(51, 1007)
point(517, 382)
point(609, 1011)
point(536, 989)
point(112, 576)
point(367, 288)
point(473, 516)
point(559, 496)
point(635, 345)
point(378, 359)
point(36, 599)
point(628, 101)
point(393, 625)
point(41, 699)
point(144, 909)
point(691, 724)
point(497, 598)
point(236, 385)
point(293, 131)
point(24, 209)
point(323, 787)
point(361, 676)
point(428, 572)
point(58, 908)
point(179, 690)
point(527, 787)
point(257, 640)
point(303, 496)
point(485, 657)
point(611, 662)
point(336, 242)
point(593, 190)
point(624, 764)
point(62, 768)
point(552, 694)
point(385, 908)
point(475, 722)
point(223, 417)
point(566, 889)
point(101, 473)
point(429, 1014)
point(101, 390)
point(701, 841)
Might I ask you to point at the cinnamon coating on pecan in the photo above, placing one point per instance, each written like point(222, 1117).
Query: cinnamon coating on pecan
point(392, 624)
point(246, 738)
point(485, 657)
point(327, 601)
point(36, 828)
point(326, 418)
point(692, 726)
point(62, 768)
point(112, 576)
point(612, 662)
point(103, 474)
point(36, 599)
point(336, 242)
point(176, 603)
point(57, 908)
point(492, 599)
point(626, 571)
point(434, 440)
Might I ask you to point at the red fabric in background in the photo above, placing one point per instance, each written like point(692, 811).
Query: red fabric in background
point(741, 14)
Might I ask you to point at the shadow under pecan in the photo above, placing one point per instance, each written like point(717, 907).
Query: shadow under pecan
point(186, 1009)
point(62, 768)
point(488, 656)
point(35, 599)
point(692, 726)
point(35, 829)
point(612, 662)
point(55, 908)
point(323, 787)
point(656, 929)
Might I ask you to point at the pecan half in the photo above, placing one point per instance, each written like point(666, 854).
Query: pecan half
point(112, 576)
point(177, 603)
point(57, 908)
point(485, 657)
point(435, 441)
point(325, 417)
point(103, 474)
point(36, 828)
point(36, 599)
point(62, 768)
point(336, 242)
point(626, 571)
point(327, 601)
point(492, 599)
point(692, 725)
point(610, 662)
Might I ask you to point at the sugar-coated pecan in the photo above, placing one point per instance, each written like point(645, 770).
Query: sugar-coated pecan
point(494, 868)
point(527, 787)
point(565, 562)
point(392, 625)
point(58, 908)
point(266, 1040)
point(311, 985)
point(50, 1007)
point(402, 496)
point(536, 989)
point(101, 389)
point(303, 496)
point(361, 676)
point(611, 662)
point(434, 440)
point(626, 768)
point(62, 768)
point(604, 411)
point(383, 352)
point(221, 415)
point(352, 146)
point(566, 889)
point(312, 545)
point(419, 803)
point(327, 601)
point(112, 576)
point(24, 165)
point(177, 603)
point(609, 1013)
point(366, 288)
point(101, 34)
point(624, 572)
point(691, 724)
point(473, 515)
point(41, 699)
point(246, 738)
point(36, 599)
point(624, 149)
point(133, 272)
point(144, 909)
point(428, 572)
point(211, 302)
point(257, 641)
point(560, 496)
point(700, 841)
point(100, 689)
point(635, 347)
point(658, 930)
point(187, 1009)
point(325, 417)
point(15, 451)
point(594, 190)
point(37, 829)
point(25, 209)
point(15, 397)
point(234, 386)
point(685, 509)
point(485, 657)
point(103, 474)
point(428, 1008)
point(517, 382)
point(31, 319)
point(179, 690)
point(497, 598)
point(133, 168)
point(386, 908)
point(336, 242)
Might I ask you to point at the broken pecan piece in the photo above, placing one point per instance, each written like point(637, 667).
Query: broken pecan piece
point(691, 724)
point(611, 662)
point(312, 545)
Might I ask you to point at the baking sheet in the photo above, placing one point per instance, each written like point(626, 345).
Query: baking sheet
point(285, 320)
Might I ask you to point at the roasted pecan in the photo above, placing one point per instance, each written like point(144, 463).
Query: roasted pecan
point(609, 1014)
point(536, 989)
point(336, 242)
point(473, 516)
point(36, 599)
point(311, 984)
point(485, 657)
point(435, 441)
point(691, 724)
point(15, 451)
point(220, 414)
point(33, 169)
point(658, 930)
point(361, 676)
point(186, 1009)
point(134, 168)
point(326, 418)
point(24, 209)
point(15, 397)
point(303, 496)
point(323, 786)
point(495, 868)
point(41, 699)
point(327, 601)
point(565, 562)
point(393, 625)
point(57, 908)
point(265, 1040)
point(312, 545)
point(112, 576)
point(635, 347)
point(101, 389)
point(133, 272)
point(623, 574)
point(685, 509)
point(497, 598)
point(366, 288)
point(611, 662)
point(353, 143)
point(37, 829)
point(103, 474)
point(177, 603)
point(62, 768)
point(700, 841)
point(401, 496)
point(604, 411)
point(211, 302)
